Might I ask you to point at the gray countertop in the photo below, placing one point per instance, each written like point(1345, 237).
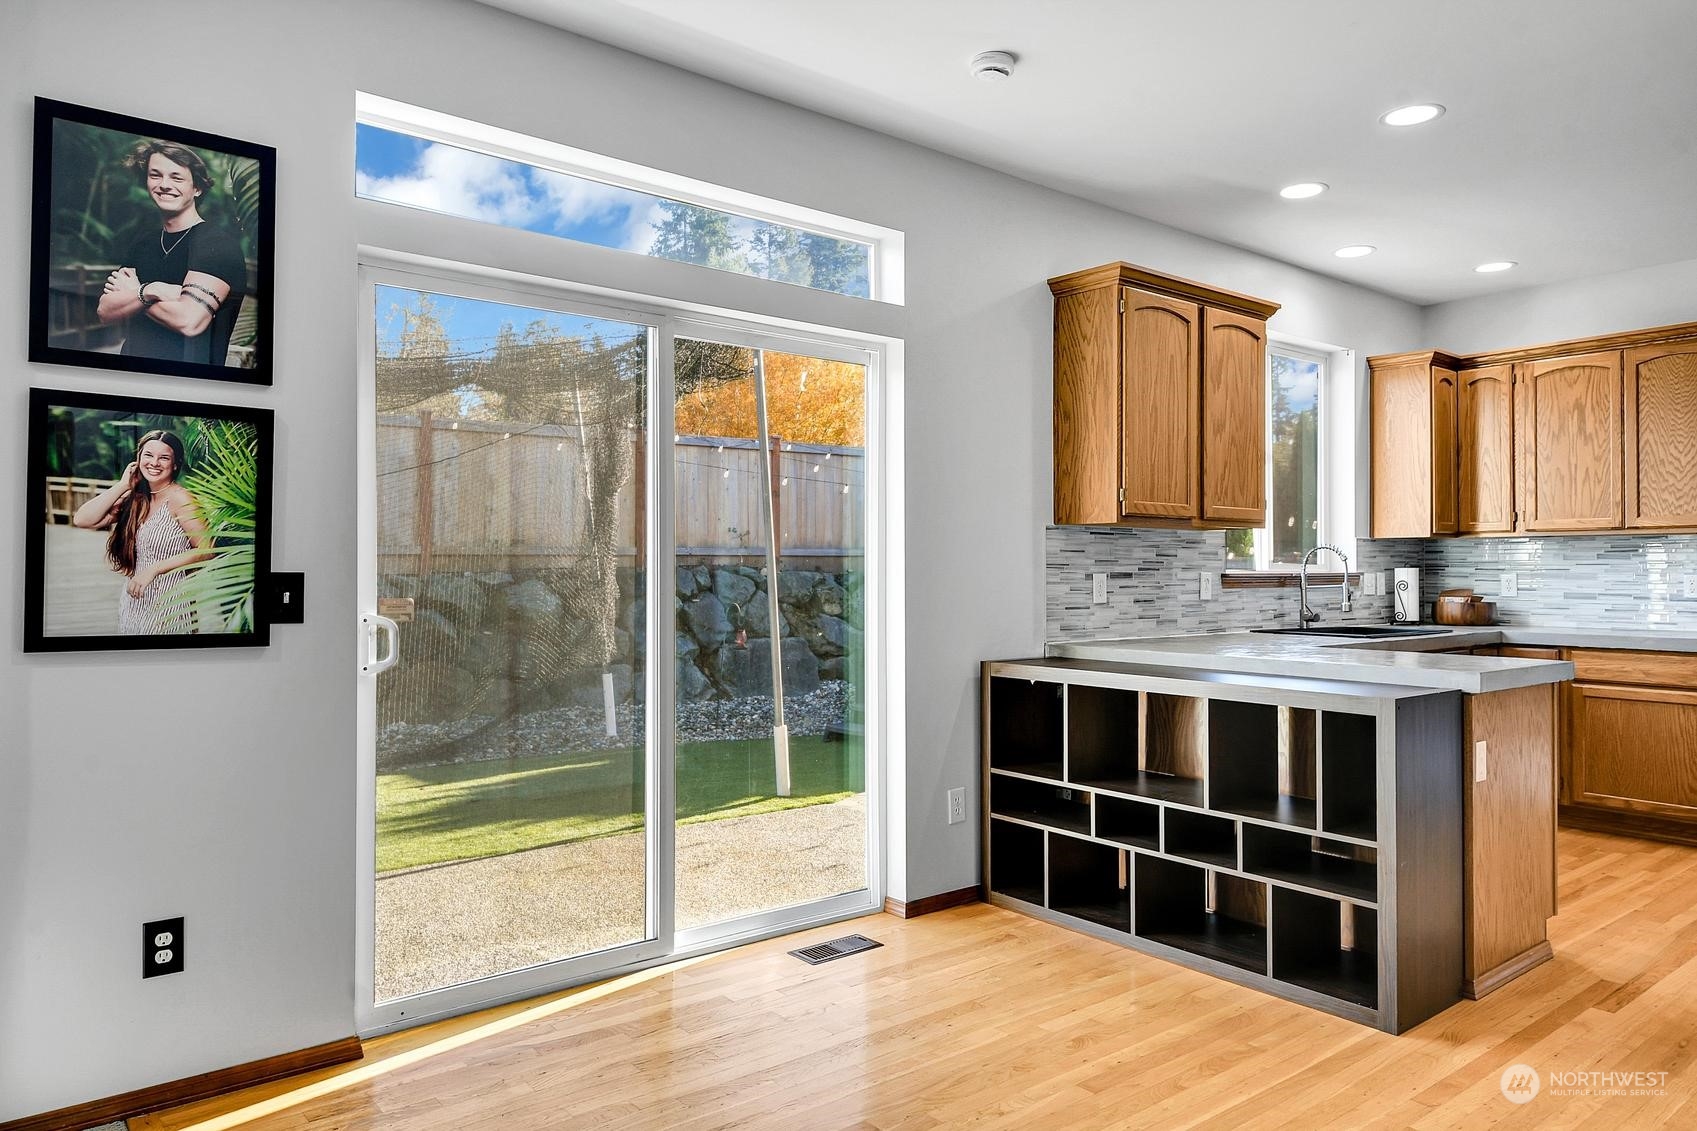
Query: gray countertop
point(1406, 662)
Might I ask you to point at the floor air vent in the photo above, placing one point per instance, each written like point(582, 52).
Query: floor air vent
point(836, 948)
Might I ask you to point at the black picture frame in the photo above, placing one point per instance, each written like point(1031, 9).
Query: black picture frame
point(90, 212)
point(63, 602)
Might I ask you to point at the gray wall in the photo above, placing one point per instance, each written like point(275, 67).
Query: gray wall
point(223, 787)
point(1628, 300)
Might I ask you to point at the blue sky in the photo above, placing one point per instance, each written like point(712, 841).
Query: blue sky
point(472, 324)
point(1301, 378)
point(442, 178)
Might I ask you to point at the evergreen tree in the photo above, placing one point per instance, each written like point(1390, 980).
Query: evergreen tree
point(692, 234)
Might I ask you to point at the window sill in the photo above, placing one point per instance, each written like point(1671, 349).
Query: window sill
point(1281, 579)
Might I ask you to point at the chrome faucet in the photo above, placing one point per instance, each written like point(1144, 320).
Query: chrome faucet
point(1308, 616)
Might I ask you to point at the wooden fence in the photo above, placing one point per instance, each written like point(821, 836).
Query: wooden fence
point(473, 495)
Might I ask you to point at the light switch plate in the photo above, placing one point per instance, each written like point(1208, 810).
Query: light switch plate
point(1479, 760)
point(1098, 589)
point(1510, 586)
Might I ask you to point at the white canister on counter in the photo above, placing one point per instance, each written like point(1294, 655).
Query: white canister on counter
point(1407, 607)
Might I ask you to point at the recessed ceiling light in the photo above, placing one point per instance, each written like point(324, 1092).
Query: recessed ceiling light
point(1355, 251)
point(1303, 191)
point(993, 66)
point(1499, 265)
point(1412, 115)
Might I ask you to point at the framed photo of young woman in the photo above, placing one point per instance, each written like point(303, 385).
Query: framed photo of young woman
point(151, 247)
point(149, 524)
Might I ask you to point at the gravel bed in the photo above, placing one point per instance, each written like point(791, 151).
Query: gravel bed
point(482, 738)
point(444, 925)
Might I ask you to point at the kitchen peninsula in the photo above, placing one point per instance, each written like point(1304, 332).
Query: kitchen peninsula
point(1368, 830)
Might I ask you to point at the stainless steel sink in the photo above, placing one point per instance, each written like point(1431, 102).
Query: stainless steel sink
point(1358, 632)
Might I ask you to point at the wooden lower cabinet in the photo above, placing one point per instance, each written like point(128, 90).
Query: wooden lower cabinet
point(1629, 750)
point(1632, 752)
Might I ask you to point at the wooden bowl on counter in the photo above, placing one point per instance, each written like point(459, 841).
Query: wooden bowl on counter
point(1464, 609)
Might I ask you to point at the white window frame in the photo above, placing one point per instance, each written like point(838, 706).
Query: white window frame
point(1324, 464)
point(885, 273)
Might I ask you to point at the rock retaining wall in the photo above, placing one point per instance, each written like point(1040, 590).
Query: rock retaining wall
point(490, 643)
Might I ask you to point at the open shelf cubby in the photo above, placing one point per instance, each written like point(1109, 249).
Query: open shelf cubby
point(1053, 806)
point(1101, 736)
point(1137, 823)
point(1200, 912)
point(1262, 761)
point(1173, 760)
point(1026, 727)
point(1350, 775)
point(1088, 881)
point(1016, 861)
point(1326, 946)
point(1197, 836)
point(1312, 861)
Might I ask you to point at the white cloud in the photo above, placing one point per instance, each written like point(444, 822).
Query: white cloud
point(460, 183)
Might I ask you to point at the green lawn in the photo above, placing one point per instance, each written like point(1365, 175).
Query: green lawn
point(435, 814)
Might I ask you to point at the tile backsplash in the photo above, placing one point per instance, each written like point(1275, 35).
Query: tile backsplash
point(1604, 581)
point(1154, 584)
point(1599, 581)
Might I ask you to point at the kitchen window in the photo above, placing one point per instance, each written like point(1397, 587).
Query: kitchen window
point(1296, 497)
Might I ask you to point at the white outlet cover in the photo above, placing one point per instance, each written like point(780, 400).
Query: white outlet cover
point(1510, 586)
point(1098, 589)
point(1206, 589)
point(1691, 585)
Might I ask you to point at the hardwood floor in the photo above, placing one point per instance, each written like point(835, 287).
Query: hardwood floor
point(977, 1017)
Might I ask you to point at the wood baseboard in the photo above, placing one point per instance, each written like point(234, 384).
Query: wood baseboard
point(915, 908)
point(188, 1090)
point(1645, 826)
point(1499, 976)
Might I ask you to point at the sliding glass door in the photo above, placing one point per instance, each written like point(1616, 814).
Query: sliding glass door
point(511, 809)
point(770, 511)
point(614, 645)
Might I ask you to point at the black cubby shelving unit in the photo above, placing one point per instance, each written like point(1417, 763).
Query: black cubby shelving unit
point(1251, 832)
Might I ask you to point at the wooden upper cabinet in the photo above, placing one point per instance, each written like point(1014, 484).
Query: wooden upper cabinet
point(1234, 418)
point(1445, 501)
point(1414, 404)
point(1160, 413)
point(1485, 450)
point(1660, 435)
point(1569, 442)
point(1161, 403)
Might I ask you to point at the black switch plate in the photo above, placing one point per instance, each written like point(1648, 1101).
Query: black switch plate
point(286, 598)
point(162, 948)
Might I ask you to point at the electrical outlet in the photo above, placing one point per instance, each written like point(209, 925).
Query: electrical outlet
point(1098, 589)
point(162, 947)
point(1510, 586)
point(1479, 752)
point(1691, 585)
point(1206, 590)
point(1376, 581)
point(957, 805)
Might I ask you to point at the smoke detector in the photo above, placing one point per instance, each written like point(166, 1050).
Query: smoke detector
point(993, 66)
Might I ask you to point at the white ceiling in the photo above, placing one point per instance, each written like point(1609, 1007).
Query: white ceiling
point(1568, 144)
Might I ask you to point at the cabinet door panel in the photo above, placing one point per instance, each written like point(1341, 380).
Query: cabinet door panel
point(1234, 418)
point(1661, 435)
point(1486, 450)
point(1402, 464)
point(1633, 748)
point(1161, 401)
point(1572, 449)
point(1444, 495)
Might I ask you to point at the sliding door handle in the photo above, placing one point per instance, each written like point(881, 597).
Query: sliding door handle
point(374, 626)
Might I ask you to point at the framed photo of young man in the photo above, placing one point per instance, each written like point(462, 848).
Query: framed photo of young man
point(151, 247)
point(149, 524)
